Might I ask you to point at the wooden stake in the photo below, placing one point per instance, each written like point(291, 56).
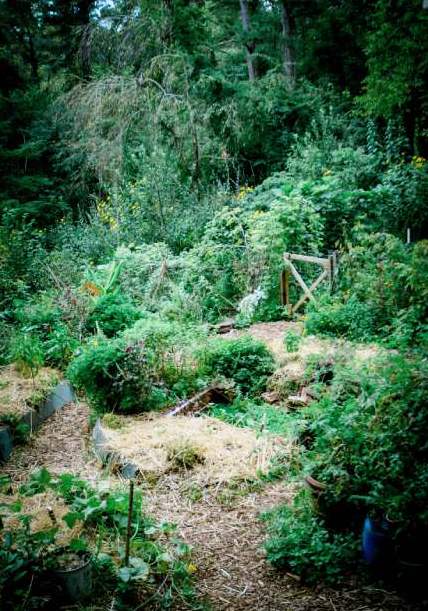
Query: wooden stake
point(300, 280)
point(312, 288)
point(129, 526)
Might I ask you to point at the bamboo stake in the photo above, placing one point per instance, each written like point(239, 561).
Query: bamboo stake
point(129, 526)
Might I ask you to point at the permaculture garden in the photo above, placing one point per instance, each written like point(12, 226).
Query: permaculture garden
point(214, 305)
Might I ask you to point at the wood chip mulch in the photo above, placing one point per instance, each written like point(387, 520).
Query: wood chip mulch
point(61, 444)
point(232, 572)
point(227, 537)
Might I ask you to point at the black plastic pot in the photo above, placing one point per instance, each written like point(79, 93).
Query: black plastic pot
point(76, 582)
point(412, 565)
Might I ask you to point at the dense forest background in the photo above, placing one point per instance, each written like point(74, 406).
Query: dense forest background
point(182, 100)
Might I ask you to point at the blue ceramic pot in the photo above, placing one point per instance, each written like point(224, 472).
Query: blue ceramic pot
point(377, 543)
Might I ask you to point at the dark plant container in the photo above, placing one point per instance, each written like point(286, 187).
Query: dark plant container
point(377, 544)
point(76, 581)
point(412, 565)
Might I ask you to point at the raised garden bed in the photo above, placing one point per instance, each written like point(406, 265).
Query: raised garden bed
point(26, 403)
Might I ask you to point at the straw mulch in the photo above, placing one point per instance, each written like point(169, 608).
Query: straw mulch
point(46, 511)
point(223, 452)
point(18, 391)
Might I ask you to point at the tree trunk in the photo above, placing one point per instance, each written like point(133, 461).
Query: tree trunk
point(249, 46)
point(288, 57)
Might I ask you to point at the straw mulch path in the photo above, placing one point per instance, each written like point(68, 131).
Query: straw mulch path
point(232, 572)
point(61, 444)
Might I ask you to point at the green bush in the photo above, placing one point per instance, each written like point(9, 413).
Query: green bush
point(300, 542)
point(38, 316)
point(352, 319)
point(60, 346)
point(292, 341)
point(112, 313)
point(172, 346)
point(382, 293)
point(43, 318)
point(114, 375)
point(246, 361)
point(148, 366)
point(368, 435)
point(26, 351)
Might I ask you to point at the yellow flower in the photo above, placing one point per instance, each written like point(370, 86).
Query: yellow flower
point(418, 162)
point(191, 568)
point(243, 192)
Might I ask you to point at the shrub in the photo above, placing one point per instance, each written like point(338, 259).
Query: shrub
point(112, 313)
point(246, 361)
point(60, 346)
point(292, 341)
point(369, 439)
point(352, 319)
point(300, 542)
point(172, 346)
point(146, 367)
point(113, 375)
point(47, 318)
point(382, 293)
point(26, 351)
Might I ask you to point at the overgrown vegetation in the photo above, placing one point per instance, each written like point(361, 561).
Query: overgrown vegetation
point(149, 191)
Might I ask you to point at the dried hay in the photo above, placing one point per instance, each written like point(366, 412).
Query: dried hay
point(19, 393)
point(225, 452)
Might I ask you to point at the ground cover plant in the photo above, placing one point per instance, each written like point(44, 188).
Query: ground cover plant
point(159, 564)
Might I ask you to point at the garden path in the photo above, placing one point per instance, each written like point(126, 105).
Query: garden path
point(223, 526)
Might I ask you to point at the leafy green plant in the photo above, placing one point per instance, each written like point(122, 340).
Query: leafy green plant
point(300, 542)
point(112, 313)
point(367, 439)
point(19, 430)
point(148, 366)
point(114, 375)
point(22, 561)
point(60, 346)
point(159, 564)
point(370, 302)
point(292, 341)
point(246, 361)
point(27, 352)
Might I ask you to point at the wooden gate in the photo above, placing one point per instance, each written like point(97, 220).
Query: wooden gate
point(328, 273)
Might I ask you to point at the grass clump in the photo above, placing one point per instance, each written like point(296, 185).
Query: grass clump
point(112, 421)
point(184, 455)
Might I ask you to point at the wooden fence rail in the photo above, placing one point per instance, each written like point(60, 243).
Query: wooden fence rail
point(329, 271)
